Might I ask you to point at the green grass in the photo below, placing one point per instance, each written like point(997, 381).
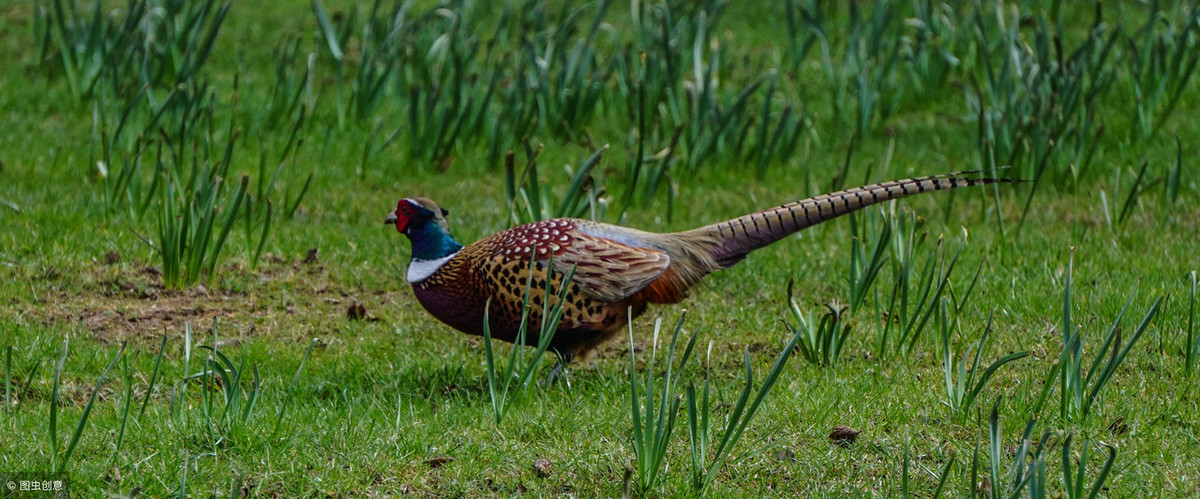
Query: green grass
point(224, 388)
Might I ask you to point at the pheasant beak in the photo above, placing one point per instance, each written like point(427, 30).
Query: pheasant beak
point(391, 219)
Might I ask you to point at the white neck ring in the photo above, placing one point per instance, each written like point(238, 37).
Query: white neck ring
point(419, 270)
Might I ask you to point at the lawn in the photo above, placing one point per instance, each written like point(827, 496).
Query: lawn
point(197, 295)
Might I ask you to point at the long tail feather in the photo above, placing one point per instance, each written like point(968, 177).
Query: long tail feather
point(741, 235)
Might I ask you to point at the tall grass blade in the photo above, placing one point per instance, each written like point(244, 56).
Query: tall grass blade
point(1175, 179)
point(153, 375)
point(1134, 191)
point(942, 477)
point(1192, 347)
point(1074, 481)
point(291, 388)
point(127, 375)
point(53, 423)
point(987, 374)
point(327, 30)
point(742, 414)
point(56, 463)
point(8, 379)
point(994, 447)
point(864, 269)
point(1114, 361)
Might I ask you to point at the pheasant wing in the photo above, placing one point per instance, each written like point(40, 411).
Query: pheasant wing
point(608, 270)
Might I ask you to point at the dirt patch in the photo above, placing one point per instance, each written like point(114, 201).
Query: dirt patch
point(146, 317)
point(118, 301)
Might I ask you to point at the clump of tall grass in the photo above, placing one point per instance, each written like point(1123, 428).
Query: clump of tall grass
point(361, 91)
point(653, 414)
point(570, 74)
point(863, 84)
point(139, 66)
point(963, 383)
point(807, 26)
point(90, 45)
point(227, 404)
point(425, 66)
point(700, 407)
point(197, 201)
point(866, 260)
point(1036, 103)
point(1034, 88)
point(1161, 65)
point(916, 290)
point(219, 372)
point(1075, 482)
point(866, 84)
point(1028, 471)
point(930, 48)
point(1079, 390)
point(679, 113)
point(197, 207)
point(178, 40)
point(821, 340)
point(655, 404)
point(530, 199)
point(150, 45)
point(229, 391)
point(292, 91)
point(547, 74)
point(876, 56)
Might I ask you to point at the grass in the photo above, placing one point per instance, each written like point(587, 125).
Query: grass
point(962, 384)
point(654, 418)
point(700, 411)
point(1079, 392)
point(664, 116)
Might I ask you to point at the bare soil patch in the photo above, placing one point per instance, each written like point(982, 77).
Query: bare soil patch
point(118, 302)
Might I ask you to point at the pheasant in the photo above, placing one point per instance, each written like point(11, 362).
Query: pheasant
point(617, 270)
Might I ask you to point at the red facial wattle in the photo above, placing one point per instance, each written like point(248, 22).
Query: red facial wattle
point(402, 216)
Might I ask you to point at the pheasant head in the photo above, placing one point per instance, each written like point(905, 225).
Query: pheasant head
point(424, 223)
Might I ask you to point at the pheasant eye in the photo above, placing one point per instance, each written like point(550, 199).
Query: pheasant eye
point(412, 209)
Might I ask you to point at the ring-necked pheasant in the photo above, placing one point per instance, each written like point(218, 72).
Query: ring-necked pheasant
point(615, 268)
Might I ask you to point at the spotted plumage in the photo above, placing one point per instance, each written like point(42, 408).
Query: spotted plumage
point(617, 270)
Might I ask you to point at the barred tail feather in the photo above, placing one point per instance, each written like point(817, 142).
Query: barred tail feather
point(739, 236)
